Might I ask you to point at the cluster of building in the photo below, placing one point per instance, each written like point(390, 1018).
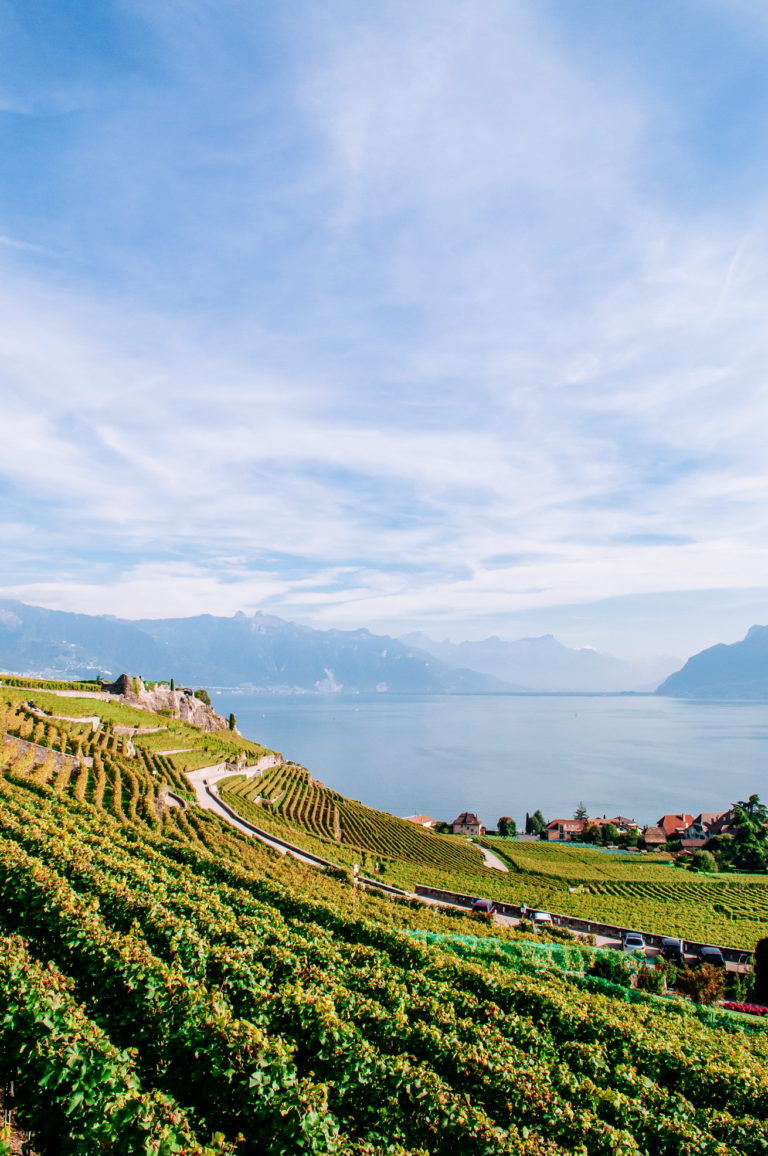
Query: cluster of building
point(692, 831)
point(467, 823)
point(568, 830)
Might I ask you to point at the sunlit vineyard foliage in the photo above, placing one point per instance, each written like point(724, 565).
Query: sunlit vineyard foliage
point(346, 830)
point(168, 985)
point(633, 891)
point(640, 891)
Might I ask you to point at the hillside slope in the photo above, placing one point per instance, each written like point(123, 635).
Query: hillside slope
point(735, 671)
point(168, 986)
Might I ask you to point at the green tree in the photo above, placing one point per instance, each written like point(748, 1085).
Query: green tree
point(737, 986)
point(204, 696)
point(609, 834)
point(173, 684)
point(591, 834)
point(507, 827)
point(750, 841)
point(232, 722)
point(760, 986)
point(535, 823)
point(580, 812)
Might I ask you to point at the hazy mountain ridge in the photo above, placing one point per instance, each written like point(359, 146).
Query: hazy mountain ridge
point(738, 670)
point(258, 650)
point(545, 664)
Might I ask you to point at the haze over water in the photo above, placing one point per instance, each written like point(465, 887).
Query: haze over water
point(440, 755)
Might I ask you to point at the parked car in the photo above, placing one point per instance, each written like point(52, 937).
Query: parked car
point(541, 919)
point(672, 949)
point(485, 905)
point(710, 955)
point(633, 941)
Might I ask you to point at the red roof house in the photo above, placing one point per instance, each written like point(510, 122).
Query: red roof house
point(565, 829)
point(673, 826)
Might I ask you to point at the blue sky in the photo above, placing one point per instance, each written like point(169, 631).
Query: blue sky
point(443, 316)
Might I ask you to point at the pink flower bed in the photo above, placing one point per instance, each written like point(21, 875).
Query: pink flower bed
point(753, 1009)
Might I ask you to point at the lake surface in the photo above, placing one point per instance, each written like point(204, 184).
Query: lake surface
point(505, 755)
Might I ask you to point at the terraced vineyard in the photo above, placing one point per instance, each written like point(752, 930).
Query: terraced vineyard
point(287, 800)
point(644, 892)
point(631, 891)
point(580, 862)
point(169, 986)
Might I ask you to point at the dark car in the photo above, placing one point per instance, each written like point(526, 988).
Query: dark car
point(672, 949)
point(486, 906)
point(711, 955)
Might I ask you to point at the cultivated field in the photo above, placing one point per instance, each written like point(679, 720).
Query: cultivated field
point(171, 986)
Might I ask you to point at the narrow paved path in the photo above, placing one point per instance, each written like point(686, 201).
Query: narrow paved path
point(102, 696)
point(93, 719)
point(491, 860)
point(206, 777)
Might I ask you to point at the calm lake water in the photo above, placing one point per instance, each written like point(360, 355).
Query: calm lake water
point(505, 755)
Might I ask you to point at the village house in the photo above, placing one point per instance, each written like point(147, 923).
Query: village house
point(467, 824)
point(623, 823)
point(422, 820)
point(654, 837)
point(565, 830)
point(675, 826)
point(707, 824)
point(692, 844)
point(620, 822)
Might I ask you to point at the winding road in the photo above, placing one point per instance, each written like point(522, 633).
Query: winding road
point(204, 782)
point(491, 860)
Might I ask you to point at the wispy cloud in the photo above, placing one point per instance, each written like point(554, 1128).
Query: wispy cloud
point(27, 247)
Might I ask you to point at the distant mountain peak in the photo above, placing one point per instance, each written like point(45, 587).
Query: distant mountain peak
point(543, 663)
point(736, 670)
point(260, 650)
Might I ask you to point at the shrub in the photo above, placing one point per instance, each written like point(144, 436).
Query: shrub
point(612, 965)
point(204, 696)
point(737, 985)
point(563, 933)
point(703, 861)
point(751, 1009)
point(651, 979)
point(703, 984)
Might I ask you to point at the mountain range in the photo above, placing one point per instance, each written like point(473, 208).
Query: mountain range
point(544, 664)
point(269, 653)
point(735, 671)
point(256, 650)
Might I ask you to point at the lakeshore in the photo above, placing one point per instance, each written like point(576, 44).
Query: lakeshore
point(641, 756)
